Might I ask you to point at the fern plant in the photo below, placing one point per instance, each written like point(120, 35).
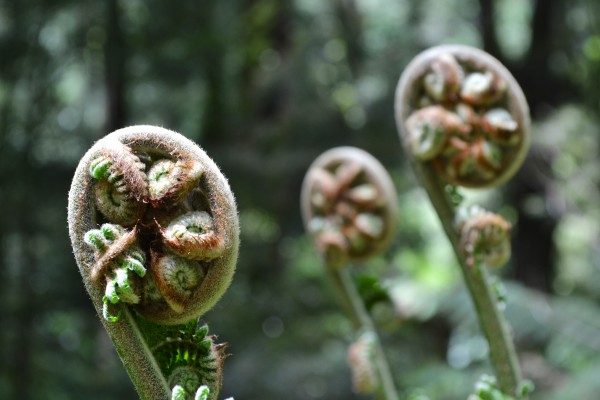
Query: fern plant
point(464, 122)
point(154, 229)
point(349, 209)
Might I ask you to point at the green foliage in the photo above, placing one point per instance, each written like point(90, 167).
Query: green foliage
point(486, 388)
point(184, 350)
point(178, 393)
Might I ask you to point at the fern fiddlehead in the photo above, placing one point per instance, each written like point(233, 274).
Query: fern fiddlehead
point(464, 122)
point(462, 112)
point(348, 205)
point(349, 208)
point(143, 277)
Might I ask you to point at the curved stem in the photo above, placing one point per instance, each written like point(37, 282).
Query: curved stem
point(491, 320)
point(362, 322)
point(131, 347)
point(120, 164)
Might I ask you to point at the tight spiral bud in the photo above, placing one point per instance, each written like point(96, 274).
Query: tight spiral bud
point(170, 181)
point(484, 237)
point(443, 81)
point(121, 185)
point(461, 110)
point(176, 279)
point(348, 205)
point(125, 187)
point(430, 129)
point(192, 235)
point(362, 363)
point(191, 360)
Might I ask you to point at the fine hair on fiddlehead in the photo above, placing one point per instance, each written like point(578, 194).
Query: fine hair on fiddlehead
point(460, 110)
point(141, 179)
point(191, 360)
point(464, 122)
point(349, 205)
point(155, 233)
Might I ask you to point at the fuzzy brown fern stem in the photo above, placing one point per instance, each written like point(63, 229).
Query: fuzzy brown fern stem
point(349, 207)
point(464, 121)
point(154, 229)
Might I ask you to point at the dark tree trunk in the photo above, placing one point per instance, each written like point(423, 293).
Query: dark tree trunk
point(533, 241)
point(213, 127)
point(487, 28)
point(351, 23)
point(115, 57)
point(534, 74)
point(22, 372)
point(541, 84)
point(533, 244)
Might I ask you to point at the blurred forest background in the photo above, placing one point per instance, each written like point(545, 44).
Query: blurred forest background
point(265, 86)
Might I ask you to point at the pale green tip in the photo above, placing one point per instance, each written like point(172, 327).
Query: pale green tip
point(111, 231)
point(99, 168)
point(202, 393)
point(106, 313)
point(178, 393)
point(135, 262)
point(94, 238)
point(201, 332)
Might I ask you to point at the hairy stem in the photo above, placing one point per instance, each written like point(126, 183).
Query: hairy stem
point(491, 320)
point(141, 310)
point(362, 322)
point(137, 358)
point(491, 143)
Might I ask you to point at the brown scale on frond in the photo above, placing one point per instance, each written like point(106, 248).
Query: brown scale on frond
point(171, 181)
point(117, 204)
point(326, 188)
point(116, 249)
point(120, 189)
point(347, 173)
point(192, 235)
point(430, 128)
point(484, 237)
point(117, 163)
point(444, 80)
point(452, 97)
point(482, 88)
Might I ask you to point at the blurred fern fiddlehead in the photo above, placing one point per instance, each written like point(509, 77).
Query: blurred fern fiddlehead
point(464, 122)
point(154, 229)
point(349, 210)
